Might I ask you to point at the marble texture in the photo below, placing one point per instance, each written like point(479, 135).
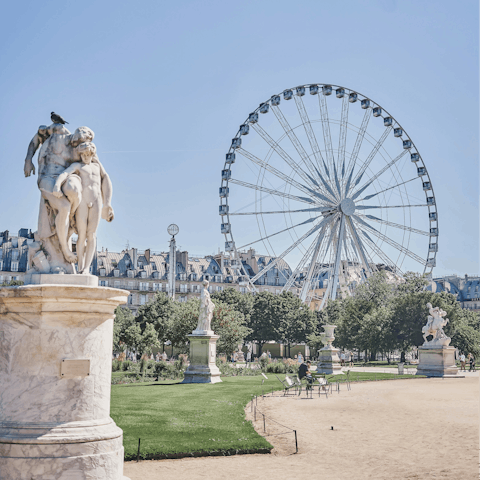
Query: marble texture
point(434, 327)
point(203, 353)
point(54, 427)
point(436, 361)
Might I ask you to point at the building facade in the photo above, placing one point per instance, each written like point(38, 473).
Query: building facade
point(467, 289)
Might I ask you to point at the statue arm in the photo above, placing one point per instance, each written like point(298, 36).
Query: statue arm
point(107, 190)
point(73, 168)
point(42, 134)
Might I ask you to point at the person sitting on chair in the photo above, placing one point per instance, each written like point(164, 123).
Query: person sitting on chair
point(304, 372)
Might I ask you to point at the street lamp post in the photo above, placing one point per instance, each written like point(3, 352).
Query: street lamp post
point(172, 260)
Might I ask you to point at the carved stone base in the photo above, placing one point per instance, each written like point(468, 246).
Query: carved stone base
point(55, 381)
point(60, 279)
point(436, 362)
point(328, 361)
point(203, 353)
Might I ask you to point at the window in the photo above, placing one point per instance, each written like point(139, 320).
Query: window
point(195, 288)
point(152, 264)
point(210, 289)
point(143, 299)
point(243, 290)
point(14, 267)
point(183, 288)
point(183, 299)
point(102, 272)
point(116, 272)
point(182, 276)
point(130, 300)
point(1, 264)
point(219, 289)
point(277, 281)
point(116, 283)
point(104, 283)
point(14, 254)
point(143, 274)
point(144, 286)
point(130, 274)
point(130, 284)
point(194, 277)
point(140, 264)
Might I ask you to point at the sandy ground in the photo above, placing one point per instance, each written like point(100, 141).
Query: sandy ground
point(404, 429)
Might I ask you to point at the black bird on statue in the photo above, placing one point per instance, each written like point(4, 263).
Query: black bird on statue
point(57, 118)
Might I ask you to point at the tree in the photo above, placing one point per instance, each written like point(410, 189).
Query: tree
point(123, 319)
point(295, 320)
point(230, 325)
point(241, 302)
point(263, 320)
point(159, 312)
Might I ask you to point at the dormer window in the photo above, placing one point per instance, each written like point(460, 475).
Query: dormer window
point(143, 274)
point(102, 272)
point(116, 272)
point(14, 254)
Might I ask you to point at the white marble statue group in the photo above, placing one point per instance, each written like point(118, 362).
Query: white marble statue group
point(434, 327)
point(75, 191)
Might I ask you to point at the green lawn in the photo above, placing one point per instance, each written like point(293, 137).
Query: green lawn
point(179, 420)
point(182, 419)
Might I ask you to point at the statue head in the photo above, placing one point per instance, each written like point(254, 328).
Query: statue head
point(86, 151)
point(82, 135)
point(429, 305)
point(205, 283)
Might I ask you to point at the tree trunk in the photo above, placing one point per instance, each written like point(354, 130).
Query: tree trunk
point(402, 357)
point(373, 356)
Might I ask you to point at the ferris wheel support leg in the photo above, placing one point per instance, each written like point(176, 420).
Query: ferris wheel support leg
point(338, 256)
point(307, 282)
point(358, 244)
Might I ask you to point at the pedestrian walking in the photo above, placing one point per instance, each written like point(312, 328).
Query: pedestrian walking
point(462, 362)
point(342, 359)
point(472, 363)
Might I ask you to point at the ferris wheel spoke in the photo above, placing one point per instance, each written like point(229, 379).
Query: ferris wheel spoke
point(261, 188)
point(293, 138)
point(342, 140)
point(281, 152)
point(396, 225)
point(310, 220)
point(359, 247)
point(281, 175)
point(370, 157)
point(313, 262)
point(289, 249)
point(390, 242)
point(368, 197)
point(327, 138)
point(315, 209)
point(367, 207)
point(299, 269)
point(356, 148)
point(310, 133)
point(380, 254)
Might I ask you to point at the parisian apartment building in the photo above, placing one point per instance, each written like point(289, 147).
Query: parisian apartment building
point(145, 272)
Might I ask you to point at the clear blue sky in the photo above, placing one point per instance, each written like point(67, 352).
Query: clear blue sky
point(164, 85)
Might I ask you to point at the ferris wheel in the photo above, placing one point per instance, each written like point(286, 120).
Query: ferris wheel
point(325, 179)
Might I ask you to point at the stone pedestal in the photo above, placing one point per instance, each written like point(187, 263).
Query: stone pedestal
point(203, 353)
point(328, 360)
point(436, 361)
point(55, 380)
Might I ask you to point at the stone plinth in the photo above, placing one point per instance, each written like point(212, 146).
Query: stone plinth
point(328, 360)
point(436, 361)
point(203, 353)
point(55, 378)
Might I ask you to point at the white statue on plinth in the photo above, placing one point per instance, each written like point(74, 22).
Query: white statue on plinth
point(206, 312)
point(434, 327)
point(64, 208)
